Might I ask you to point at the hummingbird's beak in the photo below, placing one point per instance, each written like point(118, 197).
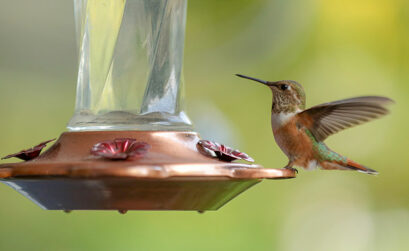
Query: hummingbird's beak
point(254, 79)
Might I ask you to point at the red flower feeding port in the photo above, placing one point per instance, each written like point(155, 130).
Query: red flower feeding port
point(31, 153)
point(223, 152)
point(120, 149)
point(130, 145)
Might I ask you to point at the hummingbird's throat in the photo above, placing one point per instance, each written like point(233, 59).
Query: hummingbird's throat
point(284, 107)
point(287, 102)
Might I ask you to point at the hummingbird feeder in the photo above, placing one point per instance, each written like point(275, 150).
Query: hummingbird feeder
point(130, 145)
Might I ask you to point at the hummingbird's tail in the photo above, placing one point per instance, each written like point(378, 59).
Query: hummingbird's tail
point(343, 163)
point(332, 160)
point(360, 168)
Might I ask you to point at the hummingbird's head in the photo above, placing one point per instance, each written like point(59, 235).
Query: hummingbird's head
point(288, 95)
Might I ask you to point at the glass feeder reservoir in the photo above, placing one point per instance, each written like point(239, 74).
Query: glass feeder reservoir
point(130, 145)
point(130, 65)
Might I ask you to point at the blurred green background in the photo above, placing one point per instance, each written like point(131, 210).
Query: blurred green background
point(336, 49)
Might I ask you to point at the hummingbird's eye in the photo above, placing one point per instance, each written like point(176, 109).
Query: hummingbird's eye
point(284, 87)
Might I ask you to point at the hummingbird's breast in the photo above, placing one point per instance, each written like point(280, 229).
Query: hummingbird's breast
point(279, 120)
point(289, 133)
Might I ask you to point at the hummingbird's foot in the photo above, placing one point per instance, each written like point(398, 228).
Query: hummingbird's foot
point(291, 168)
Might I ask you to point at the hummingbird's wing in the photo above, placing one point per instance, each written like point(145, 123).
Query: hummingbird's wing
point(329, 118)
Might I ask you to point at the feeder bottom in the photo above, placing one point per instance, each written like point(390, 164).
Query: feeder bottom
point(174, 175)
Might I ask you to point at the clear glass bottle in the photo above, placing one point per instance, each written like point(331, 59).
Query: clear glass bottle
point(130, 65)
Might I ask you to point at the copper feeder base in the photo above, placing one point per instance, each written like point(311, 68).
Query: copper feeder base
point(174, 175)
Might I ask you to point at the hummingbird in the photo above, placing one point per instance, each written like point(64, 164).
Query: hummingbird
point(300, 132)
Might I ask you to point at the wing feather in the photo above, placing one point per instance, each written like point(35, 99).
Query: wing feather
point(329, 118)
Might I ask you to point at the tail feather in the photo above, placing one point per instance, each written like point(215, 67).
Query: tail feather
point(360, 168)
point(332, 160)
